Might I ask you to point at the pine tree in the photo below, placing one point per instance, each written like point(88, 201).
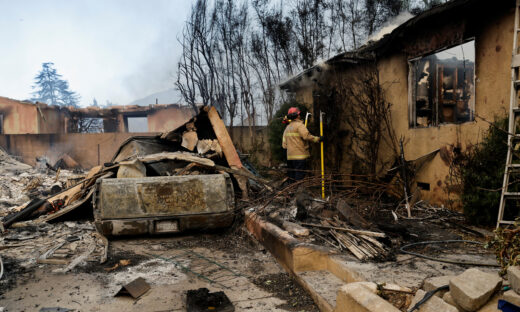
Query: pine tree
point(53, 90)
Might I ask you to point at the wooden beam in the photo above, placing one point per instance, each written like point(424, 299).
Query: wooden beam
point(223, 138)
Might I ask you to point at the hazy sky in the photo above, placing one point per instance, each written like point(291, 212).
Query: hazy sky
point(117, 50)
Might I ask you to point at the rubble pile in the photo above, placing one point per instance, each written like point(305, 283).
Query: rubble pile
point(21, 183)
point(331, 223)
point(472, 290)
point(65, 246)
point(349, 225)
point(188, 178)
point(8, 163)
point(59, 243)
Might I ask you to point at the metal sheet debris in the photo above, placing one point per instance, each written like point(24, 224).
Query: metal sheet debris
point(135, 288)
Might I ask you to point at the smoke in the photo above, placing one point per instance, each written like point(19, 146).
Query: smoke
point(311, 76)
point(390, 25)
point(157, 70)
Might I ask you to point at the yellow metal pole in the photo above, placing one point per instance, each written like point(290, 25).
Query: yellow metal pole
point(322, 164)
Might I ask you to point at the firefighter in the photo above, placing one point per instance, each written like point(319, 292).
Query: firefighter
point(295, 140)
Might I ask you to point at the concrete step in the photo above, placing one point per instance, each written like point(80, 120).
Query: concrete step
point(322, 283)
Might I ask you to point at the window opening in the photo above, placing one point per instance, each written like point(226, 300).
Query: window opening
point(137, 124)
point(90, 125)
point(443, 87)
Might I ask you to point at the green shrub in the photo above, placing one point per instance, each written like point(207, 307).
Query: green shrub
point(481, 170)
point(276, 129)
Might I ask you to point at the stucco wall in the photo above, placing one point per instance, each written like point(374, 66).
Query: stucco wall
point(51, 120)
point(22, 118)
point(83, 147)
point(18, 117)
point(304, 96)
point(259, 150)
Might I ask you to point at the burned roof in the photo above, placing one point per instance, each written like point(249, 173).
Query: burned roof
point(95, 111)
point(390, 42)
point(457, 8)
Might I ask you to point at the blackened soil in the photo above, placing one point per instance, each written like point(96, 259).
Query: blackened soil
point(114, 256)
point(283, 286)
point(13, 273)
point(233, 243)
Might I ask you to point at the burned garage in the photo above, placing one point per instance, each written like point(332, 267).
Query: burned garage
point(325, 155)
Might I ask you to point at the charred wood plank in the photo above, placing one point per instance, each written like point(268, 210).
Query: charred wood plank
point(22, 214)
point(358, 232)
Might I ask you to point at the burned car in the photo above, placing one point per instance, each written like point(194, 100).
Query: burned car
point(168, 183)
point(168, 204)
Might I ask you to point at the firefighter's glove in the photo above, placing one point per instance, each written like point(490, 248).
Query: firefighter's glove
point(320, 139)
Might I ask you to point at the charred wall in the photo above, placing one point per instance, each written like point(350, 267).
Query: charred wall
point(20, 117)
point(493, 34)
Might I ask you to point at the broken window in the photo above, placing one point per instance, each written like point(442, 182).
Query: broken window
point(442, 87)
point(137, 124)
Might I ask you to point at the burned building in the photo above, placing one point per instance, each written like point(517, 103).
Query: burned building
point(23, 117)
point(89, 135)
point(20, 117)
point(445, 74)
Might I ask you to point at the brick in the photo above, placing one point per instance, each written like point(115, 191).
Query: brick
point(491, 305)
point(434, 304)
point(473, 288)
point(295, 229)
point(357, 297)
point(513, 275)
point(369, 285)
point(512, 296)
point(449, 300)
point(433, 283)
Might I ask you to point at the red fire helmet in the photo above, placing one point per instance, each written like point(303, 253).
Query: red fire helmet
point(293, 110)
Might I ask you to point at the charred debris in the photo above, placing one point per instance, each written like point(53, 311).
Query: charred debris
point(192, 178)
point(196, 162)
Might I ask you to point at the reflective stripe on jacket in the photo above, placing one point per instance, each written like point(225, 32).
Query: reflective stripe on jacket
point(294, 140)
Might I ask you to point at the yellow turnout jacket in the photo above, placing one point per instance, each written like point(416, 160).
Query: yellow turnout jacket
point(294, 140)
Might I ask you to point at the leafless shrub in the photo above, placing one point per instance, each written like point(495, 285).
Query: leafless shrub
point(366, 116)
